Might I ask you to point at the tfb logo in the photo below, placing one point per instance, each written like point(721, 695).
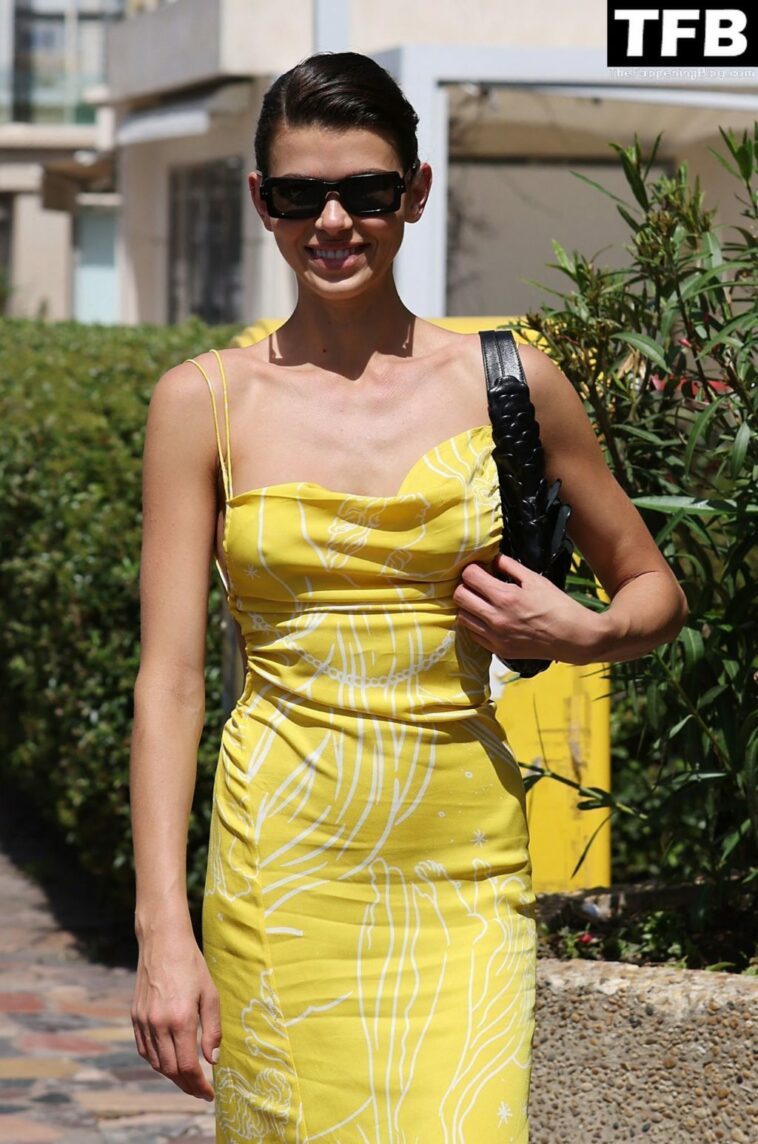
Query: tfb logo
point(720, 35)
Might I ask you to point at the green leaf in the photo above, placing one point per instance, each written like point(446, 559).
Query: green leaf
point(590, 840)
point(633, 176)
point(745, 322)
point(645, 345)
point(629, 219)
point(690, 505)
point(564, 261)
point(724, 163)
point(678, 726)
point(744, 156)
point(734, 838)
point(645, 435)
point(739, 450)
point(599, 187)
point(699, 428)
point(712, 247)
point(693, 646)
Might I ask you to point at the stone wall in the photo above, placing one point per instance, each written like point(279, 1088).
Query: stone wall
point(646, 1053)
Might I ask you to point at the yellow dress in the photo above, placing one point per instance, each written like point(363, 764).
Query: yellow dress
point(368, 916)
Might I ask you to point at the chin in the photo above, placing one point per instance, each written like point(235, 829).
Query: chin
point(348, 287)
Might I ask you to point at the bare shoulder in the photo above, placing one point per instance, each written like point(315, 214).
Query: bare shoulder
point(557, 405)
point(550, 391)
point(180, 419)
point(545, 379)
point(182, 391)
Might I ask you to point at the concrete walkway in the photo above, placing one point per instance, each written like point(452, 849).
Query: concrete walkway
point(69, 1069)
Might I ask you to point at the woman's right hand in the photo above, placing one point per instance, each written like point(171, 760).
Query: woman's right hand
point(174, 991)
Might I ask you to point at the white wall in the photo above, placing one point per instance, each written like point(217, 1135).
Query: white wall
point(548, 23)
point(507, 213)
point(41, 263)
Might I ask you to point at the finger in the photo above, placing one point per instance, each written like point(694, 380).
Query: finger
point(469, 620)
point(190, 1075)
point(476, 577)
point(481, 635)
point(475, 604)
point(163, 1047)
point(147, 1044)
point(210, 1021)
point(518, 572)
point(139, 1038)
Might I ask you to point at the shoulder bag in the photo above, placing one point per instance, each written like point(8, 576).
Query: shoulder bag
point(534, 518)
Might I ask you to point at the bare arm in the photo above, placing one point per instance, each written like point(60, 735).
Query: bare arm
point(532, 618)
point(173, 985)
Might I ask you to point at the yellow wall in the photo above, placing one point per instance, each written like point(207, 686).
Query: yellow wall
point(559, 722)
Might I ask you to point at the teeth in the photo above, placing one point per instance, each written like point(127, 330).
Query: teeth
point(334, 253)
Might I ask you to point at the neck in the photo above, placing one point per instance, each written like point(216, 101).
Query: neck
point(345, 336)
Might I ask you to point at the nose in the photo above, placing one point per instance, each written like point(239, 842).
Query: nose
point(333, 216)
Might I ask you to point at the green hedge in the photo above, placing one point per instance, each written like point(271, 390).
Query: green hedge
point(73, 404)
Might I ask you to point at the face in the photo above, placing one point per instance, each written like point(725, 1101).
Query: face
point(370, 242)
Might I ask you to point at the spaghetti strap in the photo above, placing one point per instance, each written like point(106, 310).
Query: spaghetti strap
point(225, 462)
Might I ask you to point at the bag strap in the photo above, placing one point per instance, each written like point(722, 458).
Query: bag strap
point(501, 356)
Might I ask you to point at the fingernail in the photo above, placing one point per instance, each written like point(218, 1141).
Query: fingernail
point(214, 1056)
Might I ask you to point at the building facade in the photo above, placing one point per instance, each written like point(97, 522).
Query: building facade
point(514, 102)
point(57, 199)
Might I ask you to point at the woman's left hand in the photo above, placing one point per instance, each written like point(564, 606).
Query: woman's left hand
point(528, 619)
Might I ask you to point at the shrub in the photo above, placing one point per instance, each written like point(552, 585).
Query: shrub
point(663, 353)
point(73, 405)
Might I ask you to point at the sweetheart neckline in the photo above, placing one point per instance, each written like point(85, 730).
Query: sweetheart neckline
point(322, 489)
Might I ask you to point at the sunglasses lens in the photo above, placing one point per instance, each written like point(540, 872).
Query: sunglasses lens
point(295, 198)
point(372, 194)
point(361, 194)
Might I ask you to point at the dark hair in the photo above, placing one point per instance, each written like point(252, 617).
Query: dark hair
point(340, 90)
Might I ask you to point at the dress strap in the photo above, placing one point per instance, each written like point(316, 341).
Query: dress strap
point(225, 461)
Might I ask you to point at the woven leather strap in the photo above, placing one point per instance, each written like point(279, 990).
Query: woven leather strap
point(534, 519)
point(501, 357)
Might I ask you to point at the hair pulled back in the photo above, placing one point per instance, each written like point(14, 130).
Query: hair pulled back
point(339, 90)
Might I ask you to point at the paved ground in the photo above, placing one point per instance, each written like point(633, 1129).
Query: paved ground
point(650, 1054)
point(69, 1069)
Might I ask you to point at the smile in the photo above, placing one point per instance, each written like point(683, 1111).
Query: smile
point(335, 254)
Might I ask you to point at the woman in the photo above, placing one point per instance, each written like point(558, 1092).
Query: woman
point(368, 965)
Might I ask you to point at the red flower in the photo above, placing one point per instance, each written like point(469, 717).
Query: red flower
point(689, 385)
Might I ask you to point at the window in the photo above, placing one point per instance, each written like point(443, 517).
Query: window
point(59, 51)
point(205, 241)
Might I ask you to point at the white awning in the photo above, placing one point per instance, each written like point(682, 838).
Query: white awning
point(178, 119)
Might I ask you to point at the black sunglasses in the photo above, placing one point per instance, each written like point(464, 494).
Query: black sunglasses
point(374, 193)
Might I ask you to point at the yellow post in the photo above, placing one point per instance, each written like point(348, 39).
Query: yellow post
point(559, 722)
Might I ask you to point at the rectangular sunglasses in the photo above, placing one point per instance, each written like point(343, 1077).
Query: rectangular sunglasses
point(374, 193)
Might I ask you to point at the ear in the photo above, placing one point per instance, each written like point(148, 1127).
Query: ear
point(254, 180)
point(418, 193)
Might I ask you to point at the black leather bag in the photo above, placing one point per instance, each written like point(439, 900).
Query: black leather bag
point(534, 518)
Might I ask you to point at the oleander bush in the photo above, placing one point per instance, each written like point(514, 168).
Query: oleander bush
point(73, 407)
point(663, 353)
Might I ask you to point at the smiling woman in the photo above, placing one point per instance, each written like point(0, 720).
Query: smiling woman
point(368, 962)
